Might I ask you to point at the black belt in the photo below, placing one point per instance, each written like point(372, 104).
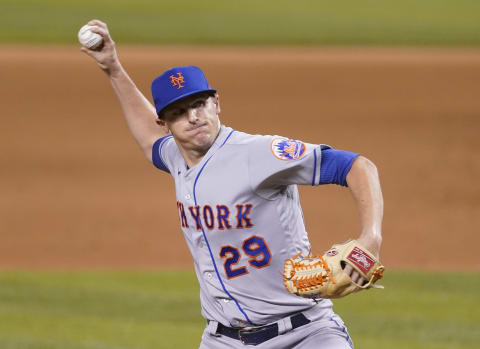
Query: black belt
point(258, 335)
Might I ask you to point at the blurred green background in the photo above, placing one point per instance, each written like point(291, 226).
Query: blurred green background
point(156, 310)
point(306, 22)
point(160, 309)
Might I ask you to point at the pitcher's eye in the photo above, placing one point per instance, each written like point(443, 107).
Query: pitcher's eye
point(178, 112)
point(198, 104)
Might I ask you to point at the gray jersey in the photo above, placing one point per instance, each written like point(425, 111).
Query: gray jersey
point(240, 213)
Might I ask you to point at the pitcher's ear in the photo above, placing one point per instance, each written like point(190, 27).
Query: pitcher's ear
point(161, 122)
point(217, 102)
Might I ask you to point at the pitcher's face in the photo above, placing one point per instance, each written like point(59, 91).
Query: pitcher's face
point(194, 121)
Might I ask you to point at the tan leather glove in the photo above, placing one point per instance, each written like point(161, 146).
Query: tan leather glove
point(324, 277)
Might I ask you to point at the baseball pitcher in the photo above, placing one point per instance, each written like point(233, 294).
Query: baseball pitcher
point(239, 210)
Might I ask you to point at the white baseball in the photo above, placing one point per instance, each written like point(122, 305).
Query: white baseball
point(88, 38)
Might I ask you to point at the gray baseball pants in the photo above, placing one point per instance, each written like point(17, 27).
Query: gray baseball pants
point(324, 333)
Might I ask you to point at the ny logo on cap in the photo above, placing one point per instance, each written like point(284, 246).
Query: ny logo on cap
point(177, 80)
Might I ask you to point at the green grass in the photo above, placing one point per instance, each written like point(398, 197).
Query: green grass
point(142, 310)
point(307, 22)
point(416, 310)
point(99, 310)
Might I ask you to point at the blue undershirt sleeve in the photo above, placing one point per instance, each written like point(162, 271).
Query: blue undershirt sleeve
point(156, 151)
point(335, 165)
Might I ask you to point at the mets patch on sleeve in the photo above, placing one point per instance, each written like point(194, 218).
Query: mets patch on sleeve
point(287, 149)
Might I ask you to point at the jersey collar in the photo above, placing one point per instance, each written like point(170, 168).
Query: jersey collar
point(222, 135)
point(219, 141)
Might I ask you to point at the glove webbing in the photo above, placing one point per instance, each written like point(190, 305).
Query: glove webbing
point(311, 281)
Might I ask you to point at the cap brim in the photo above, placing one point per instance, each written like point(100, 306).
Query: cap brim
point(183, 96)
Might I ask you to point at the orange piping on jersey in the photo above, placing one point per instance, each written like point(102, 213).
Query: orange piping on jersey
point(255, 258)
point(212, 217)
point(223, 218)
point(246, 218)
point(245, 270)
point(196, 217)
point(183, 217)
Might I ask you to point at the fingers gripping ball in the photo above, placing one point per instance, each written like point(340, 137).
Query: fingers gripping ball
point(324, 277)
point(88, 38)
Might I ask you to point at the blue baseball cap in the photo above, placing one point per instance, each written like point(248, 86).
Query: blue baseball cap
point(178, 83)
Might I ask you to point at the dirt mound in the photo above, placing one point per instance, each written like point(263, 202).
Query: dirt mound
point(77, 193)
